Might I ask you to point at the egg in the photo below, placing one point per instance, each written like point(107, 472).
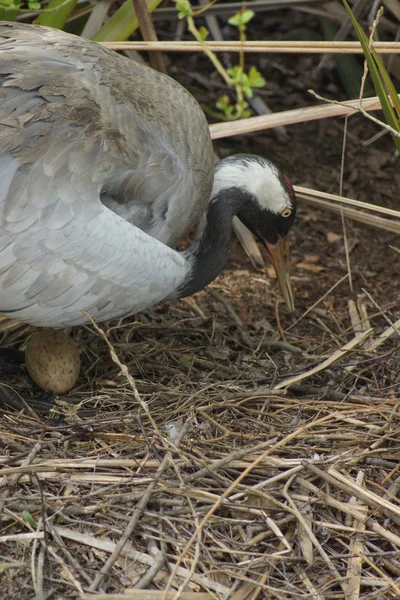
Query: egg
point(52, 360)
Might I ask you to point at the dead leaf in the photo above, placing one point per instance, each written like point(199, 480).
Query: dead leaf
point(333, 237)
point(310, 267)
point(312, 258)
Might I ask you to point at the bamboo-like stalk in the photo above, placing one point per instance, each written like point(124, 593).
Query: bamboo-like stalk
point(359, 215)
point(316, 196)
point(132, 594)
point(290, 117)
point(276, 47)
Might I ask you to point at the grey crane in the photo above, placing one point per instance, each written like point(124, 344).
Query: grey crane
point(105, 165)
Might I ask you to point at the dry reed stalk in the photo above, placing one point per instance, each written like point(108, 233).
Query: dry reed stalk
point(308, 531)
point(338, 354)
point(354, 564)
point(149, 595)
point(289, 117)
point(109, 547)
point(306, 193)
point(339, 205)
point(280, 47)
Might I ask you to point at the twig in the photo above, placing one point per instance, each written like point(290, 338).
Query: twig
point(107, 546)
point(384, 315)
point(288, 117)
point(336, 479)
point(147, 495)
point(312, 537)
point(354, 564)
point(318, 301)
point(363, 111)
point(246, 339)
point(374, 566)
point(149, 33)
point(21, 537)
point(75, 563)
point(148, 577)
point(12, 482)
point(233, 485)
point(149, 595)
point(134, 520)
point(338, 354)
point(346, 245)
point(351, 213)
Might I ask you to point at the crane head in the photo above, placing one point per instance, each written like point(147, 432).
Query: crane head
point(266, 205)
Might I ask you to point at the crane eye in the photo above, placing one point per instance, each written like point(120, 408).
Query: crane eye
point(286, 212)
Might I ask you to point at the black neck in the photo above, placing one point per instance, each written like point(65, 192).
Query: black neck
point(207, 256)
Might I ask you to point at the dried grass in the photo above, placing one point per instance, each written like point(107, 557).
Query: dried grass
point(204, 475)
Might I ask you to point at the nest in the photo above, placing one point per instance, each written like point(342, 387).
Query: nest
point(210, 451)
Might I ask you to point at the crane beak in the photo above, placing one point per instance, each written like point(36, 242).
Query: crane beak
point(279, 255)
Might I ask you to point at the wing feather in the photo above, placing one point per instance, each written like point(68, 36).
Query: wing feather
point(136, 133)
point(75, 127)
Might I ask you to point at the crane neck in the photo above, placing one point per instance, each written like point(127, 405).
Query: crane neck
point(207, 255)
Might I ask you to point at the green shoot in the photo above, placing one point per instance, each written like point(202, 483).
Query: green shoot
point(28, 518)
point(236, 77)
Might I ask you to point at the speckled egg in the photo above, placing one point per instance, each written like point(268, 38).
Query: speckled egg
point(52, 360)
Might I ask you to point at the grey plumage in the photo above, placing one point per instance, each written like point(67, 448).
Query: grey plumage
point(105, 165)
point(83, 131)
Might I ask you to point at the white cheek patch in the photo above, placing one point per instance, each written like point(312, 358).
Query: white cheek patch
point(259, 178)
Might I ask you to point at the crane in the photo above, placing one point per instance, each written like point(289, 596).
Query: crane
point(105, 165)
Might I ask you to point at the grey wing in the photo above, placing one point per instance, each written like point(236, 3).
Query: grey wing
point(139, 133)
point(68, 135)
point(104, 266)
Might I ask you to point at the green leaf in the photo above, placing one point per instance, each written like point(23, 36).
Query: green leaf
point(377, 79)
point(235, 74)
point(122, 24)
point(28, 518)
point(9, 10)
point(62, 520)
point(241, 18)
point(56, 14)
point(256, 80)
point(184, 9)
point(247, 15)
point(223, 102)
point(34, 5)
point(9, 4)
point(233, 71)
point(203, 33)
point(387, 81)
point(235, 20)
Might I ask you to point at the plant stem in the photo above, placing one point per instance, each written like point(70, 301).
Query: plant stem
point(217, 64)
